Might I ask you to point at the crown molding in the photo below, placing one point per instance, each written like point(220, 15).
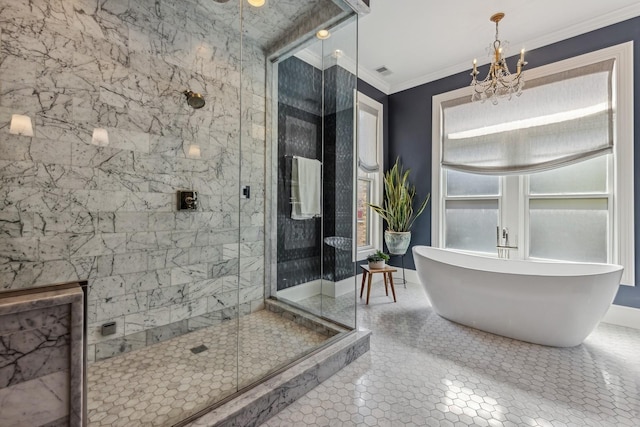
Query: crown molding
point(310, 58)
point(428, 78)
point(348, 64)
point(370, 77)
point(343, 61)
point(374, 80)
point(566, 33)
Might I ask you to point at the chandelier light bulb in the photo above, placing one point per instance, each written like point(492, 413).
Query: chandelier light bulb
point(256, 3)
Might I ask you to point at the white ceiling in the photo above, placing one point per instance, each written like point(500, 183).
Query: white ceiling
point(421, 40)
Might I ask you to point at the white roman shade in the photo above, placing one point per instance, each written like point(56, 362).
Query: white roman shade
point(368, 139)
point(559, 119)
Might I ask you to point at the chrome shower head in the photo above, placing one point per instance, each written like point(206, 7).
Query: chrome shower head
point(195, 100)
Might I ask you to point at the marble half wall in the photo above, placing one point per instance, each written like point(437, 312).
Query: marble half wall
point(41, 357)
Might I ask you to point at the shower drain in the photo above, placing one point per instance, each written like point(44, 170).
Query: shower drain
point(199, 349)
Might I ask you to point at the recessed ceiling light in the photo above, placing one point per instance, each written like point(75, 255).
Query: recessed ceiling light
point(256, 3)
point(323, 34)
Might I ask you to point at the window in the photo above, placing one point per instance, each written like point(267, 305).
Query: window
point(566, 199)
point(569, 212)
point(472, 208)
point(369, 139)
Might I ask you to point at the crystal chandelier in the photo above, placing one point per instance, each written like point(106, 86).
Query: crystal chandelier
point(499, 82)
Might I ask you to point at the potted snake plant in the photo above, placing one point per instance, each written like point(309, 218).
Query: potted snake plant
point(397, 208)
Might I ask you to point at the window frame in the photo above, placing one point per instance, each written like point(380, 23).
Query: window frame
point(621, 200)
point(376, 178)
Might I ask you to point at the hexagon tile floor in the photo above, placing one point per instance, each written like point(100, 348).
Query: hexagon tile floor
point(339, 309)
point(423, 370)
point(164, 383)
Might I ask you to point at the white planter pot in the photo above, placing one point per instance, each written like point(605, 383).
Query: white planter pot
point(377, 265)
point(397, 242)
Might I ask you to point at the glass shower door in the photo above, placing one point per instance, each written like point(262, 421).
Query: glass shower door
point(283, 120)
point(314, 89)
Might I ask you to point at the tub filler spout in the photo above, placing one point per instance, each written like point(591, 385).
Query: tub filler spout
point(502, 245)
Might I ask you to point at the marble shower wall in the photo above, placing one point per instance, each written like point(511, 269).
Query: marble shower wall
point(71, 210)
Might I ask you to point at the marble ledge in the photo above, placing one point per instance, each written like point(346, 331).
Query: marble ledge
point(20, 301)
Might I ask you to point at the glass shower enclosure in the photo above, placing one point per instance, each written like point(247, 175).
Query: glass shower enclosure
point(158, 169)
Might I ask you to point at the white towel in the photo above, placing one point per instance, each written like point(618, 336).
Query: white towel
point(305, 188)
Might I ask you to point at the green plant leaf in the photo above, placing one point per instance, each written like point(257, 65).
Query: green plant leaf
point(397, 207)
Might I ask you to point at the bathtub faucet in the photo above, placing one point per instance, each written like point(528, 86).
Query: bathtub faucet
point(504, 239)
point(502, 243)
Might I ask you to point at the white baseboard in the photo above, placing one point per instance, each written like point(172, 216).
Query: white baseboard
point(301, 291)
point(340, 288)
point(623, 316)
point(316, 287)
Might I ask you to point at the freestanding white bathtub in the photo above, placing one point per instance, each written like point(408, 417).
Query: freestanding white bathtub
point(549, 303)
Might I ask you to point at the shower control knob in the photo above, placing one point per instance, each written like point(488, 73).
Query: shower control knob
point(187, 200)
point(191, 202)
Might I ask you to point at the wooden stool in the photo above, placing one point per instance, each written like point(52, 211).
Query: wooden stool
point(386, 276)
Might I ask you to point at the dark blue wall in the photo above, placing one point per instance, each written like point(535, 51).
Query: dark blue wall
point(410, 125)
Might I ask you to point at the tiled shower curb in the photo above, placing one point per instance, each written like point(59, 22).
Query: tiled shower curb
point(260, 403)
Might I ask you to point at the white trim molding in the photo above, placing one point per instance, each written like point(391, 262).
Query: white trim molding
point(318, 287)
point(374, 80)
point(624, 245)
point(376, 179)
point(348, 63)
point(310, 58)
point(623, 316)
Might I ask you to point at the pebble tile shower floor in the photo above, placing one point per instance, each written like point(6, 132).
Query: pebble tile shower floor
point(164, 383)
point(424, 370)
